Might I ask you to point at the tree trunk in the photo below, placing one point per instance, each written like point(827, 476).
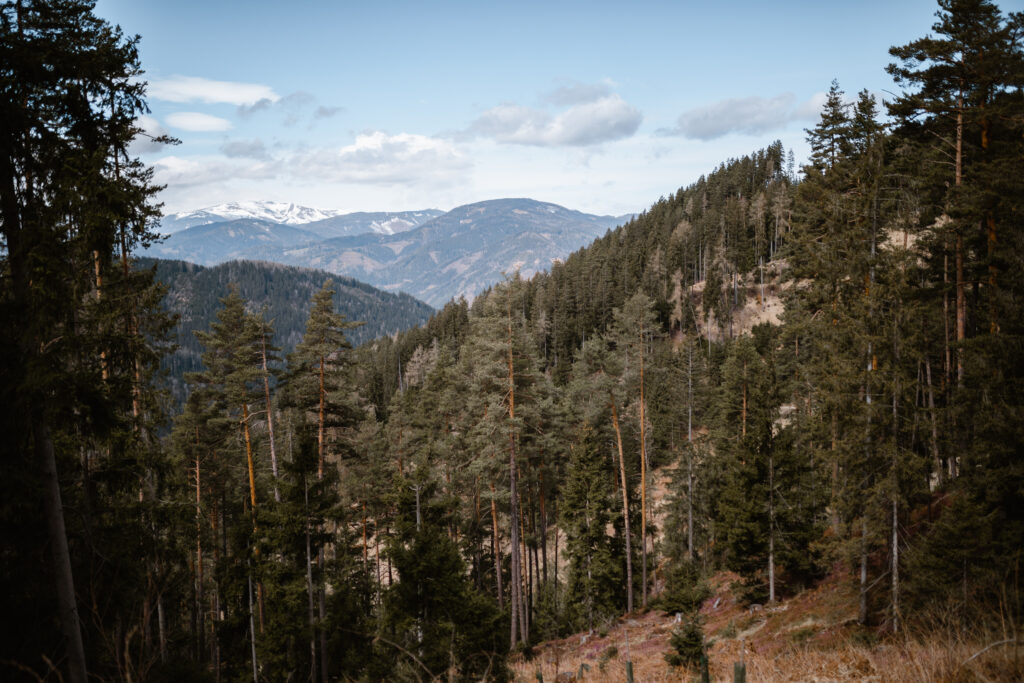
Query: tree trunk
point(252, 634)
point(689, 462)
point(643, 479)
point(834, 494)
point(270, 419)
point(322, 399)
point(935, 429)
point(496, 547)
point(625, 505)
point(322, 608)
point(54, 510)
point(961, 300)
point(516, 580)
point(321, 446)
point(249, 460)
point(862, 613)
point(895, 484)
point(200, 589)
point(744, 413)
point(771, 528)
point(543, 529)
point(309, 585)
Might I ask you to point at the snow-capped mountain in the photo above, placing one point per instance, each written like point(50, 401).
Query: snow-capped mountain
point(379, 222)
point(430, 254)
point(284, 213)
point(324, 222)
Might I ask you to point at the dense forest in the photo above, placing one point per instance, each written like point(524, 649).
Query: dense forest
point(281, 293)
point(430, 502)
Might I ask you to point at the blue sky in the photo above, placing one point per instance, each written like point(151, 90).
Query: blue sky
point(598, 106)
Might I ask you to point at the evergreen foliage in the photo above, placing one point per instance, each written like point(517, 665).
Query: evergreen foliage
point(427, 503)
point(687, 643)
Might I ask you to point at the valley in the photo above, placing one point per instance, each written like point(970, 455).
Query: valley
point(770, 427)
point(434, 256)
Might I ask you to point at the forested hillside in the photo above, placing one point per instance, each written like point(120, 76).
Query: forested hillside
point(430, 503)
point(281, 293)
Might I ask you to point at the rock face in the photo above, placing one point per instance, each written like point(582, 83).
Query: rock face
point(432, 256)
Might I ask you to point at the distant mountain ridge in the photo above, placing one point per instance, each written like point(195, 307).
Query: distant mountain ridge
point(284, 292)
point(322, 222)
point(445, 255)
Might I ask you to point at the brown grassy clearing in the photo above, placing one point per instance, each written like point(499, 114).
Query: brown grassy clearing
point(811, 637)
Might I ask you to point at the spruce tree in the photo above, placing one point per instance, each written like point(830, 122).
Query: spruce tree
point(71, 202)
point(595, 577)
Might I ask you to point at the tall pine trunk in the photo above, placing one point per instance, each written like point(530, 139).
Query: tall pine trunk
point(516, 580)
point(643, 478)
point(496, 547)
point(689, 461)
point(625, 505)
point(54, 511)
point(270, 417)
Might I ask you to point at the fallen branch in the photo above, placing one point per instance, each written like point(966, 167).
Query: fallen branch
point(986, 649)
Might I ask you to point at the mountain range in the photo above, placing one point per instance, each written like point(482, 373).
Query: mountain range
point(432, 255)
point(323, 223)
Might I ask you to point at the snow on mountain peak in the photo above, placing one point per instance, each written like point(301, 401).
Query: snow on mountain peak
point(275, 212)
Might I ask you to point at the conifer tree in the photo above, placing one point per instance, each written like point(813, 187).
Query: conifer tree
point(635, 327)
point(594, 576)
point(316, 387)
point(70, 200)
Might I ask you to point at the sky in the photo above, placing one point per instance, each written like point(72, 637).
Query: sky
point(598, 106)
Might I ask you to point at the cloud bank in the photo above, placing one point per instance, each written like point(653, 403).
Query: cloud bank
point(594, 117)
point(746, 115)
point(195, 89)
point(245, 149)
point(377, 157)
point(197, 122)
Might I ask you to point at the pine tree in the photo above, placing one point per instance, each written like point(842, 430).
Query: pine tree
point(962, 109)
point(70, 200)
point(595, 577)
point(635, 327)
point(315, 386)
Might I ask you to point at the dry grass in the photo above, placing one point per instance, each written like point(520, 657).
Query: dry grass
point(812, 637)
point(934, 661)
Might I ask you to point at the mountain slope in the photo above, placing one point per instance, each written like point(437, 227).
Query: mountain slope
point(194, 293)
point(433, 256)
point(461, 252)
point(215, 243)
point(381, 222)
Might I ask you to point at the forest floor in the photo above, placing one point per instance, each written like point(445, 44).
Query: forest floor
point(813, 636)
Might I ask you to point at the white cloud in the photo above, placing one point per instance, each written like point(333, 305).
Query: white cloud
point(323, 112)
point(195, 89)
point(197, 122)
point(747, 115)
point(245, 149)
point(295, 107)
point(144, 143)
point(590, 122)
point(377, 157)
point(180, 172)
point(578, 93)
point(376, 162)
